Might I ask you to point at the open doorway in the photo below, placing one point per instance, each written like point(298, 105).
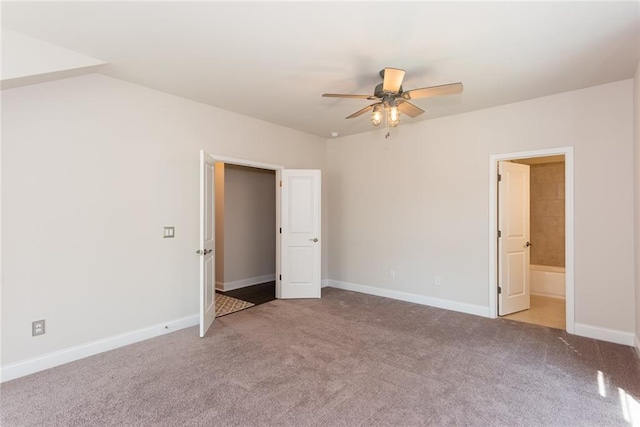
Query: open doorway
point(545, 244)
point(297, 229)
point(531, 232)
point(245, 247)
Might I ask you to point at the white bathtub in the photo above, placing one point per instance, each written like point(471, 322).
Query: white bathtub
point(547, 281)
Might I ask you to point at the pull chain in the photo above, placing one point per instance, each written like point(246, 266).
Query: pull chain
point(386, 120)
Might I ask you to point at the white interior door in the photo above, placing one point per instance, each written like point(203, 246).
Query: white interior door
point(300, 238)
point(207, 244)
point(513, 240)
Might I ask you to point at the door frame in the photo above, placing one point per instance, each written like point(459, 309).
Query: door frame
point(259, 165)
point(569, 227)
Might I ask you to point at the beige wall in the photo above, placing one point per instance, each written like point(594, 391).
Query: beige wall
point(417, 203)
point(547, 214)
point(93, 168)
point(249, 225)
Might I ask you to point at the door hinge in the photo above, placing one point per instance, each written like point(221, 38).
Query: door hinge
point(499, 290)
point(280, 183)
point(499, 177)
point(499, 233)
point(281, 277)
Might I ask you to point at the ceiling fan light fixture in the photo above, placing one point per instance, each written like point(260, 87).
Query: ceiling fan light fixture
point(376, 115)
point(394, 115)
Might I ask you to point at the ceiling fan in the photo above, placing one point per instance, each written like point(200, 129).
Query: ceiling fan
point(393, 100)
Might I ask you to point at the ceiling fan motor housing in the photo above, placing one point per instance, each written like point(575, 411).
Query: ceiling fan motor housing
point(379, 93)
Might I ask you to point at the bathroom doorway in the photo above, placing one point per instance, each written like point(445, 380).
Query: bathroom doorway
point(547, 302)
point(532, 238)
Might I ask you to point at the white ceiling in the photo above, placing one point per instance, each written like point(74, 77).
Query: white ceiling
point(273, 60)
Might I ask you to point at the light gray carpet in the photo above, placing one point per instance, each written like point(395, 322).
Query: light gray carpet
point(347, 359)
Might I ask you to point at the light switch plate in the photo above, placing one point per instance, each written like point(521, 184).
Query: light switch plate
point(169, 232)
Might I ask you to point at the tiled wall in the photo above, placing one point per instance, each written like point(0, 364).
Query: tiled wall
point(547, 214)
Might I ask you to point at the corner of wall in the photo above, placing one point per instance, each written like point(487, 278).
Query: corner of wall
point(636, 108)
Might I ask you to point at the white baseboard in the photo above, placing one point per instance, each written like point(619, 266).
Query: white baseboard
point(237, 284)
point(462, 307)
point(219, 286)
point(637, 344)
point(51, 360)
point(604, 334)
point(324, 283)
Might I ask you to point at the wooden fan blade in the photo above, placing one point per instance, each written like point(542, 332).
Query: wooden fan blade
point(392, 80)
point(361, 112)
point(409, 109)
point(341, 95)
point(426, 92)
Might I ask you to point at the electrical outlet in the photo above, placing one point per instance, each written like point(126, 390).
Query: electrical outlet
point(169, 232)
point(437, 280)
point(392, 274)
point(37, 327)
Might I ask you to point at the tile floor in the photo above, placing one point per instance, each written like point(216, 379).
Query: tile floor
point(544, 311)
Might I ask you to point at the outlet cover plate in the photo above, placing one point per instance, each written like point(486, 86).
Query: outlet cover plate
point(37, 328)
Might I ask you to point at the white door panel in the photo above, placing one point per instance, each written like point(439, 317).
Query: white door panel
point(300, 245)
point(513, 245)
point(209, 272)
point(301, 258)
point(515, 274)
point(207, 244)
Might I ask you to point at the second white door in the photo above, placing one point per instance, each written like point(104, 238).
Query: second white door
point(300, 245)
point(513, 241)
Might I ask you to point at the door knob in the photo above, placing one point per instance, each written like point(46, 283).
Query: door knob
point(313, 240)
point(526, 245)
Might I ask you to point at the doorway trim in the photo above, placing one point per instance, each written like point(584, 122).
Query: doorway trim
point(244, 162)
point(569, 224)
point(267, 166)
